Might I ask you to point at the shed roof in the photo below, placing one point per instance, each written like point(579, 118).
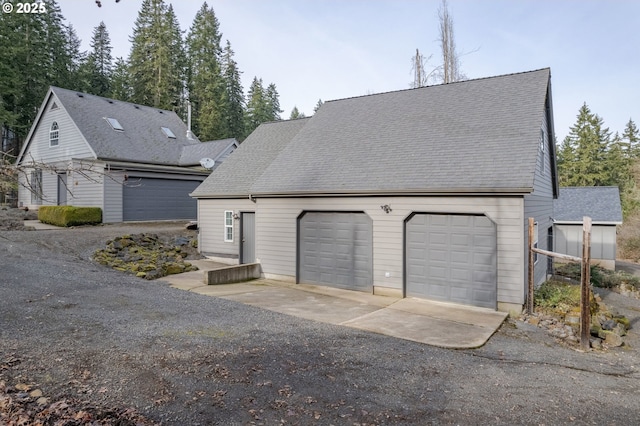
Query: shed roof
point(600, 203)
point(471, 136)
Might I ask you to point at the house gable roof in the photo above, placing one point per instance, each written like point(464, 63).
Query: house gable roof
point(142, 139)
point(600, 203)
point(472, 136)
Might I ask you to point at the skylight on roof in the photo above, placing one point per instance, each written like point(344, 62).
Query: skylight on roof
point(115, 124)
point(167, 131)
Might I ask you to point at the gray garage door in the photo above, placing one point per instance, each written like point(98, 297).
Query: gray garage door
point(336, 249)
point(452, 258)
point(158, 199)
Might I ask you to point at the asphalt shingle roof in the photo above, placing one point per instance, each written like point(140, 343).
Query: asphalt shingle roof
point(476, 135)
point(600, 203)
point(238, 172)
point(142, 140)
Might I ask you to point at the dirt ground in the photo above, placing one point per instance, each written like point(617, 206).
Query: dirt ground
point(84, 344)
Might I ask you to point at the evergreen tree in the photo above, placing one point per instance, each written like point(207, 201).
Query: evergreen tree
point(256, 106)
point(99, 63)
point(205, 84)
point(273, 102)
point(318, 105)
point(263, 105)
point(120, 81)
point(232, 96)
point(296, 114)
point(583, 154)
point(38, 50)
point(631, 138)
point(156, 61)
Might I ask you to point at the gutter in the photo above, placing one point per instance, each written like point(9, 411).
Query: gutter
point(146, 167)
point(514, 192)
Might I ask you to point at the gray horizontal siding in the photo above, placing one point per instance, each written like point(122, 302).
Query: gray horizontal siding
point(276, 233)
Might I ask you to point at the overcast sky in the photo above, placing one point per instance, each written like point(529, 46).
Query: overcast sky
point(332, 49)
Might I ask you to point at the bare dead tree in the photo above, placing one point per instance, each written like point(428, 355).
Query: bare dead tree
point(418, 68)
point(14, 175)
point(450, 59)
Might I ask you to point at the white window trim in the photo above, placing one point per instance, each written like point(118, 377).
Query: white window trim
point(228, 214)
point(535, 242)
point(542, 149)
point(54, 134)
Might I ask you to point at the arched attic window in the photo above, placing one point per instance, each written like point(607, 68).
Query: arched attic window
point(53, 134)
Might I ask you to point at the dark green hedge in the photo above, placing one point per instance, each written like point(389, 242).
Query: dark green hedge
point(69, 215)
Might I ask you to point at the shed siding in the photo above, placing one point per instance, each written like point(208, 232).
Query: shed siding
point(568, 240)
point(276, 221)
point(539, 205)
point(86, 188)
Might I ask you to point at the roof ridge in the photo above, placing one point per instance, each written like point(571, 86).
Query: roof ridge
point(441, 84)
point(110, 100)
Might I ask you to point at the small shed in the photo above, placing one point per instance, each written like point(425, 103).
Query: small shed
point(602, 205)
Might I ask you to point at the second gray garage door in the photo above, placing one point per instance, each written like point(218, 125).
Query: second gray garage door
point(452, 258)
point(336, 249)
point(158, 199)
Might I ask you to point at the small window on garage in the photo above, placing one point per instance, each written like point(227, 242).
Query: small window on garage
point(535, 241)
point(54, 134)
point(228, 226)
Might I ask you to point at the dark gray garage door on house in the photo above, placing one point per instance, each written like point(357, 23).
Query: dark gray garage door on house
point(336, 249)
point(158, 199)
point(452, 258)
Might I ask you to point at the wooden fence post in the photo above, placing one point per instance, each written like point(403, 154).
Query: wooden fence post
point(585, 283)
point(530, 275)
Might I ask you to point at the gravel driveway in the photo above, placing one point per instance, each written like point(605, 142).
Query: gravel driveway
point(76, 329)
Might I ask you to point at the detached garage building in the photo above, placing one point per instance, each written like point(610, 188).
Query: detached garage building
point(416, 193)
point(602, 205)
point(134, 162)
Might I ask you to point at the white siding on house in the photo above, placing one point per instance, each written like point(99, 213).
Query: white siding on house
point(86, 187)
point(71, 144)
point(112, 211)
point(276, 225)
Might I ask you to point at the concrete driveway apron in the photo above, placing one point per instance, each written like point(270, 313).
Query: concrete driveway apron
point(434, 323)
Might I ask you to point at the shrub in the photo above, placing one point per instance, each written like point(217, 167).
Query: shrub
point(69, 215)
point(557, 295)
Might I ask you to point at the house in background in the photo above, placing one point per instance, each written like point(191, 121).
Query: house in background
point(602, 205)
point(132, 161)
point(416, 193)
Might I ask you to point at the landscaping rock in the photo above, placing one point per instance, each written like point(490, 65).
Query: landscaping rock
point(147, 256)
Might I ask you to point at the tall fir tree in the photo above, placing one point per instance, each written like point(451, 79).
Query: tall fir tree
point(582, 159)
point(631, 138)
point(205, 84)
point(38, 51)
point(233, 96)
point(98, 67)
point(120, 81)
point(156, 60)
point(273, 102)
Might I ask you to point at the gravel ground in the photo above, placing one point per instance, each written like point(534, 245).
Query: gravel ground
point(86, 334)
